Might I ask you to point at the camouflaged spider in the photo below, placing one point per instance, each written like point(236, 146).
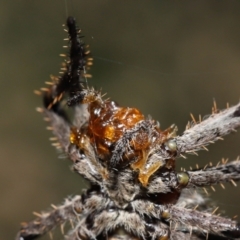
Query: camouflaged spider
point(135, 191)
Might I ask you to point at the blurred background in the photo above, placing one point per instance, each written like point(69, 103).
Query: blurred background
point(167, 58)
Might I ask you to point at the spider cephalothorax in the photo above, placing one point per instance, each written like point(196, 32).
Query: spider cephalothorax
point(129, 161)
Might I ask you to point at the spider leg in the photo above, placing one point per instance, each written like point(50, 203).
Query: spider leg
point(47, 221)
point(189, 219)
point(69, 82)
point(60, 128)
point(73, 210)
point(85, 161)
point(84, 167)
point(211, 129)
point(226, 172)
point(229, 172)
point(206, 222)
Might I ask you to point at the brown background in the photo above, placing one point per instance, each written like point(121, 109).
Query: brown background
point(168, 58)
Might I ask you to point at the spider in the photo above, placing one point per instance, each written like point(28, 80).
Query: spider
point(135, 192)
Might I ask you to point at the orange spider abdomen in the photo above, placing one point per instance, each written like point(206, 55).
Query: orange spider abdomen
point(108, 122)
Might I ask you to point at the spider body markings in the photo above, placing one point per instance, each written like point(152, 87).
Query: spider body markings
point(129, 161)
